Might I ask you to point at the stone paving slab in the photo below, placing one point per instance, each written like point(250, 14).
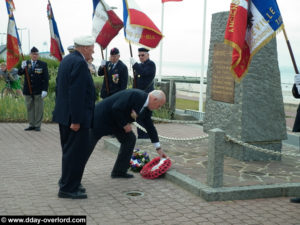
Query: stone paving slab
point(30, 164)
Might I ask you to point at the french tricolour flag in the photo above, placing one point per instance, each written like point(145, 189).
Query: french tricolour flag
point(139, 28)
point(13, 41)
point(250, 25)
point(56, 48)
point(106, 23)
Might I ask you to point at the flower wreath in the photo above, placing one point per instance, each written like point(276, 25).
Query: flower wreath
point(138, 160)
point(156, 167)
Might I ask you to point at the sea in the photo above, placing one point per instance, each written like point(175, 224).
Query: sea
point(194, 70)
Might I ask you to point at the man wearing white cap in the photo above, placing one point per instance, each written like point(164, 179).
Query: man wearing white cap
point(74, 107)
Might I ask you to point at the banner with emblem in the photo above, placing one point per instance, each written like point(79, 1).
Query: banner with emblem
point(13, 42)
point(250, 25)
point(56, 48)
point(106, 23)
point(138, 27)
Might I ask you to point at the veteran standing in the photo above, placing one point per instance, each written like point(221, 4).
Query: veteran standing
point(117, 74)
point(35, 88)
point(74, 108)
point(144, 74)
point(296, 127)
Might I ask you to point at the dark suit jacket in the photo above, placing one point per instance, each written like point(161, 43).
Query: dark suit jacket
point(145, 73)
point(117, 78)
point(39, 77)
point(75, 92)
point(114, 112)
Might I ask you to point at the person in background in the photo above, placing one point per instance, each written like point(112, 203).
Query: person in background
point(11, 78)
point(115, 114)
point(296, 127)
point(117, 74)
point(144, 74)
point(35, 88)
point(73, 111)
point(92, 67)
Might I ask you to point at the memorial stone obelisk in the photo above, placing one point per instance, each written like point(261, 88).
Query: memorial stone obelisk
point(252, 110)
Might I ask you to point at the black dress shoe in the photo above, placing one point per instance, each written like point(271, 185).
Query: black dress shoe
point(80, 187)
point(72, 195)
point(29, 128)
point(37, 129)
point(295, 200)
point(122, 175)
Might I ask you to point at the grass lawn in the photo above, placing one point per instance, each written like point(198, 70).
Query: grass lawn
point(187, 104)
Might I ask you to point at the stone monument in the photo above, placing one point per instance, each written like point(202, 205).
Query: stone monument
point(252, 110)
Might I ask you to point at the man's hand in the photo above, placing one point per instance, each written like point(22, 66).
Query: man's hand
point(133, 114)
point(297, 79)
point(161, 153)
point(44, 94)
point(103, 63)
point(75, 126)
point(24, 64)
point(132, 61)
point(127, 128)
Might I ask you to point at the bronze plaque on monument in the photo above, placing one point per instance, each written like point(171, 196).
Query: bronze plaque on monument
point(222, 88)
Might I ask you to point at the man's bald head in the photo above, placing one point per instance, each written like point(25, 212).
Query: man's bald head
point(157, 98)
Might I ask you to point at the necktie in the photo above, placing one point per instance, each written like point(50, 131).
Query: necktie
point(33, 65)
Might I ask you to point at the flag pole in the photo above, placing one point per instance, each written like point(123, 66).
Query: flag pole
point(134, 75)
point(202, 58)
point(161, 42)
point(105, 73)
point(291, 51)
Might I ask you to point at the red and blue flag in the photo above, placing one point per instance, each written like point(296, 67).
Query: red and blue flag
point(56, 48)
point(13, 44)
point(138, 27)
point(250, 25)
point(106, 23)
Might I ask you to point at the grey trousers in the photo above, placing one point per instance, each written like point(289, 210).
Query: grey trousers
point(35, 110)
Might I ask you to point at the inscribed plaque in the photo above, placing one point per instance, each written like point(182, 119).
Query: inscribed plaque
point(222, 88)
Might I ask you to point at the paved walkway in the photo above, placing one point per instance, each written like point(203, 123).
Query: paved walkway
point(30, 165)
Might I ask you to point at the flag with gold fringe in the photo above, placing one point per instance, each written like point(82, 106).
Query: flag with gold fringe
point(250, 26)
point(138, 27)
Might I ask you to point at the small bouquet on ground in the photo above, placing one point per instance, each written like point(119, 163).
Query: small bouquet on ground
point(138, 160)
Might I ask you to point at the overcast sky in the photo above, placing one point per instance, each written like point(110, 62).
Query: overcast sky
point(182, 26)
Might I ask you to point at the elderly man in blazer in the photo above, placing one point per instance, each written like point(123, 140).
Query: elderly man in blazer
point(115, 114)
point(117, 74)
point(74, 109)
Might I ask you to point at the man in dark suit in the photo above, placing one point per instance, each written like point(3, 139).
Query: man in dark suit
point(296, 127)
point(74, 108)
point(114, 114)
point(116, 76)
point(35, 88)
point(144, 74)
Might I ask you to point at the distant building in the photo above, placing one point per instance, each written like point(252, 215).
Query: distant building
point(3, 52)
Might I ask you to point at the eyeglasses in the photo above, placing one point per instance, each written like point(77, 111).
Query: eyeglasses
point(142, 55)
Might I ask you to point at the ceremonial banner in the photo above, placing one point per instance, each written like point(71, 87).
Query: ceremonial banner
point(163, 1)
point(10, 6)
point(106, 23)
point(56, 48)
point(138, 27)
point(250, 25)
point(13, 41)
